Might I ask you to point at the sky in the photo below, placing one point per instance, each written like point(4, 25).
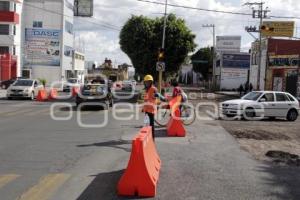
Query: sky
point(100, 34)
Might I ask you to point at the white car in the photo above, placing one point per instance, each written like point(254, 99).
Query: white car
point(24, 88)
point(263, 104)
point(71, 82)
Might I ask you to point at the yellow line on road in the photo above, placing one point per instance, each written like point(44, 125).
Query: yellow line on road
point(46, 110)
point(17, 112)
point(45, 188)
point(5, 179)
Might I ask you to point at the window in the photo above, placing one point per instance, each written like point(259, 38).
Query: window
point(4, 50)
point(291, 98)
point(37, 24)
point(281, 97)
point(15, 29)
point(15, 7)
point(14, 50)
point(68, 51)
point(269, 97)
point(4, 5)
point(4, 29)
point(69, 27)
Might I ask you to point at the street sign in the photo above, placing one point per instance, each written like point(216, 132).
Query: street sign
point(160, 66)
point(278, 28)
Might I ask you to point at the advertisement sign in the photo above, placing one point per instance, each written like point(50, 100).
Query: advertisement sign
point(283, 61)
point(228, 43)
point(278, 29)
point(233, 73)
point(236, 61)
point(42, 47)
point(83, 8)
point(232, 78)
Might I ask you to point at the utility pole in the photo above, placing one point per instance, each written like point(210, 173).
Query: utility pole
point(214, 53)
point(261, 14)
point(160, 72)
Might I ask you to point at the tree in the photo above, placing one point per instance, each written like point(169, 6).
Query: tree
point(141, 38)
point(203, 61)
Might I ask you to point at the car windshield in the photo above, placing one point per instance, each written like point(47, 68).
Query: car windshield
point(252, 96)
point(72, 81)
point(23, 83)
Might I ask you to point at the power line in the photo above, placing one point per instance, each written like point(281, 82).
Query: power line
point(216, 11)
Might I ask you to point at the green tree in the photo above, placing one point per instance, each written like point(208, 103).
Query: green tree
point(203, 61)
point(141, 37)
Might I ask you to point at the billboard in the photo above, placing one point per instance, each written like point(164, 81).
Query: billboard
point(42, 47)
point(236, 61)
point(286, 61)
point(228, 43)
point(83, 8)
point(278, 29)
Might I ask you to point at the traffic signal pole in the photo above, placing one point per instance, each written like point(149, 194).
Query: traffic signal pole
point(160, 73)
point(261, 14)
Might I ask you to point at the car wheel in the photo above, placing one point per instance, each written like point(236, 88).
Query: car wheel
point(249, 113)
point(32, 96)
point(292, 115)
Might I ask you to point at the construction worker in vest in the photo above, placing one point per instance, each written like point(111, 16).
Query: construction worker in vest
point(150, 100)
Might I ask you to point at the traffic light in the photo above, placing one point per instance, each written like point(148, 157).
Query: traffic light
point(266, 28)
point(161, 55)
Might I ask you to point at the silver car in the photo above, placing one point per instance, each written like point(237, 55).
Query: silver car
point(24, 88)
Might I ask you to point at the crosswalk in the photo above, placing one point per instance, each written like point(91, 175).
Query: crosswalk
point(43, 189)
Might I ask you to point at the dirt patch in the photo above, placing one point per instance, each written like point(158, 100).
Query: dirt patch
point(281, 157)
point(258, 135)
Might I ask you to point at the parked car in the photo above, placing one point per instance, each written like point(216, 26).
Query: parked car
point(95, 92)
point(71, 82)
point(263, 103)
point(5, 84)
point(127, 85)
point(24, 88)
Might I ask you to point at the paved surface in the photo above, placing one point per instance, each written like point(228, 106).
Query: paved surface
point(41, 158)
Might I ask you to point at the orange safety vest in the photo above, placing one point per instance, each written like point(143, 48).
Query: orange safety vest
point(150, 100)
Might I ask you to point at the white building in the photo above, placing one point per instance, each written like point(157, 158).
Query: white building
point(78, 65)
point(47, 39)
point(232, 70)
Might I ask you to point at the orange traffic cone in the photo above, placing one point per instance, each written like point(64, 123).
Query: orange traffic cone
point(42, 95)
point(52, 94)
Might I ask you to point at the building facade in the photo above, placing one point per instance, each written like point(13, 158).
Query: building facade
point(232, 70)
point(280, 66)
point(10, 38)
point(48, 39)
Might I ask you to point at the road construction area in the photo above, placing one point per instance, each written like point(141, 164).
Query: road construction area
point(42, 157)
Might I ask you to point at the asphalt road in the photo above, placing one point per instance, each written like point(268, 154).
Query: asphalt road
point(42, 158)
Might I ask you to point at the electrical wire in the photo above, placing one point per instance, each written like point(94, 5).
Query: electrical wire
point(216, 11)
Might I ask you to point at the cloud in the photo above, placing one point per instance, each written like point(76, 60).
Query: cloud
point(101, 33)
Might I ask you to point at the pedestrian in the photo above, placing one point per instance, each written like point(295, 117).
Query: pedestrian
point(241, 89)
point(250, 87)
point(150, 101)
point(246, 87)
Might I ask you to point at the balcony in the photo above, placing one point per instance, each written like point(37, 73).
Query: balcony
point(10, 17)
